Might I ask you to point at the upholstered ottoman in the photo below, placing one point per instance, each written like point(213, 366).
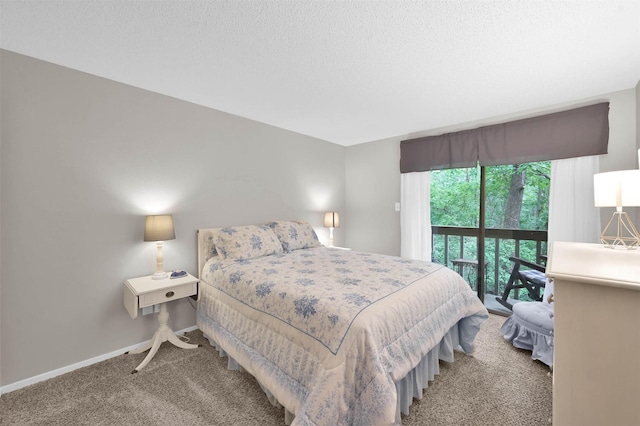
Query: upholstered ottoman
point(530, 327)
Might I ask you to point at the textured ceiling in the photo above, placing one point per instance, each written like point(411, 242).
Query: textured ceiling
point(344, 71)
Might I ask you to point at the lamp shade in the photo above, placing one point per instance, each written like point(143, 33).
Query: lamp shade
point(159, 228)
point(617, 189)
point(331, 220)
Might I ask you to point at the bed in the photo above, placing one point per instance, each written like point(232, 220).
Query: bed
point(335, 337)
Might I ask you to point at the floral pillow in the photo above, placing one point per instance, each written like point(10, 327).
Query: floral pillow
point(246, 242)
point(295, 235)
point(209, 248)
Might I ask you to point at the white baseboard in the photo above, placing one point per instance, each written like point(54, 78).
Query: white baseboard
point(50, 374)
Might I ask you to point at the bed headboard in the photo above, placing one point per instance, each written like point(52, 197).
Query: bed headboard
point(206, 248)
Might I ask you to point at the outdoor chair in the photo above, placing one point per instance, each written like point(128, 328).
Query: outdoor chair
point(524, 275)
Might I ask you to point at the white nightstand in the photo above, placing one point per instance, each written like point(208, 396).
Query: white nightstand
point(145, 291)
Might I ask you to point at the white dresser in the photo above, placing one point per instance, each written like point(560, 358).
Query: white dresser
point(596, 369)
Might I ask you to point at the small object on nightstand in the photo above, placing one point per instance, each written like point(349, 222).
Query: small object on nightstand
point(178, 274)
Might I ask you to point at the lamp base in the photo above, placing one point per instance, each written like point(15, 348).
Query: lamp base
point(626, 236)
point(160, 275)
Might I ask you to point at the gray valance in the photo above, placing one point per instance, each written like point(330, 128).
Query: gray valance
point(573, 133)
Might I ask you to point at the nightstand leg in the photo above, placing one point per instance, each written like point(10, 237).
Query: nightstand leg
point(171, 336)
point(163, 334)
point(157, 341)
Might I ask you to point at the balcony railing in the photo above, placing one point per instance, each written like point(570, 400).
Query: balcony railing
point(453, 243)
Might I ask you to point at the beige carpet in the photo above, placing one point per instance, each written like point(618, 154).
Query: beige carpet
point(500, 385)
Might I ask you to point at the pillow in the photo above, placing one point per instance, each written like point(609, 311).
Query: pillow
point(246, 242)
point(209, 248)
point(295, 235)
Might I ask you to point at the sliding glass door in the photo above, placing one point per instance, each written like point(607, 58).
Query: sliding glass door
point(489, 213)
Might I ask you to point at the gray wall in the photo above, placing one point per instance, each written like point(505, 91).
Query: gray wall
point(638, 116)
point(83, 160)
point(1, 298)
point(637, 218)
point(373, 171)
point(373, 188)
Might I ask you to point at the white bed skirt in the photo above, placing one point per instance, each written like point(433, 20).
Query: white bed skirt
point(408, 388)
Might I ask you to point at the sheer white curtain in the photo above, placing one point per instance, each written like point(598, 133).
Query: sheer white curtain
point(415, 216)
point(572, 214)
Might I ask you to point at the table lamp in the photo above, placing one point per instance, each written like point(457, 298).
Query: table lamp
point(618, 189)
point(331, 220)
point(159, 228)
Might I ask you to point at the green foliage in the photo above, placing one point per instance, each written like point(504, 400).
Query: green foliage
point(455, 195)
point(455, 201)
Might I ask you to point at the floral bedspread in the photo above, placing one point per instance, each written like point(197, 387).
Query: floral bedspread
point(330, 331)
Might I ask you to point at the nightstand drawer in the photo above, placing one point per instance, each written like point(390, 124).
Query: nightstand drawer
point(167, 294)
